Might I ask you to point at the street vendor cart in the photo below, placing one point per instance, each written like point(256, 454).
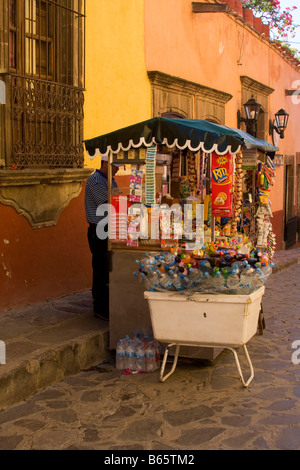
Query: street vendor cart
point(210, 172)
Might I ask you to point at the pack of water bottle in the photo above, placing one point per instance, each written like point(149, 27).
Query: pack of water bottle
point(160, 272)
point(138, 354)
point(247, 279)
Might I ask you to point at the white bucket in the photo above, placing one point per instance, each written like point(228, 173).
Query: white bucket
point(204, 319)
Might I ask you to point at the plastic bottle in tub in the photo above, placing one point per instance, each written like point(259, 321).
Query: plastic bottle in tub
point(218, 283)
point(195, 275)
point(166, 282)
point(266, 271)
point(206, 283)
point(245, 281)
point(177, 284)
point(233, 282)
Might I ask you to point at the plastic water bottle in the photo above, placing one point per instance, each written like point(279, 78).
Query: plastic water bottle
point(195, 275)
point(256, 282)
point(139, 357)
point(245, 281)
point(239, 266)
point(218, 282)
point(236, 267)
point(177, 282)
point(156, 346)
point(153, 280)
point(120, 355)
point(172, 269)
point(225, 272)
point(150, 281)
point(266, 271)
point(149, 262)
point(140, 276)
point(166, 282)
point(186, 281)
point(137, 339)
point(130, 355)
point(169, 259)
point(150, 362)
point(145, 342)
point(244, 265)
point(205, 267)
point(125, 340)
point(233, 282)
point(206, 283)
point(143, 280)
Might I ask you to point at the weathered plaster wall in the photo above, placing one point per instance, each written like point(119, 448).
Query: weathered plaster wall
point(40, 264)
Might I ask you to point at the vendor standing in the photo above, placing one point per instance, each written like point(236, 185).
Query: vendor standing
point(96, 194)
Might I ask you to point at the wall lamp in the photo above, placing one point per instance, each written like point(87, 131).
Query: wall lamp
point(280, 123)
point(252, 109)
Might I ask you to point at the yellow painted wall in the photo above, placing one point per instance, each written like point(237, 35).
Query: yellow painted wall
point(118, 91)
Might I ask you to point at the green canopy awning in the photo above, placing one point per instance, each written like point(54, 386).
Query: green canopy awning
point(251, 142)
point(192, 134)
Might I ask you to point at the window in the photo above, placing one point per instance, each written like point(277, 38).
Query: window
point(289, 196)
point(12, 35)
point(46, 59)
point(38, 38)
point(261, 93)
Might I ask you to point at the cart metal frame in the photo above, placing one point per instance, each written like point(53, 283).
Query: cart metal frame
point(177, 345)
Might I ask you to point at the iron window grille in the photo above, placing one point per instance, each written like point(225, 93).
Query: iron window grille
point(47, 75)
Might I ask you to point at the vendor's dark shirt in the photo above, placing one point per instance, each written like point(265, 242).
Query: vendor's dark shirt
point(96, 193)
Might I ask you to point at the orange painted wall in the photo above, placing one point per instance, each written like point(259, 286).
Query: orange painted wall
point(214, 50)
point(36, 265)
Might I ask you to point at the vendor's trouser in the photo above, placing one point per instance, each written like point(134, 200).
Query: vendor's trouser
point(100, 287)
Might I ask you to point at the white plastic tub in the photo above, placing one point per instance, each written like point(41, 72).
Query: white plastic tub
point(212, 320)
point(227, 321)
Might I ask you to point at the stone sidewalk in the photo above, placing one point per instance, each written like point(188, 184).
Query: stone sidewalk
point(48, 342)
point(286, 258)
